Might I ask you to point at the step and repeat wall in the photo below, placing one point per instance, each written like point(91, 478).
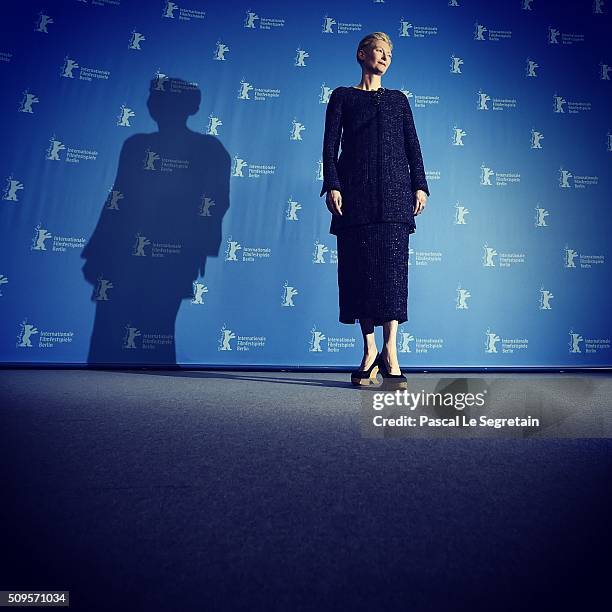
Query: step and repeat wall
point(161, 168)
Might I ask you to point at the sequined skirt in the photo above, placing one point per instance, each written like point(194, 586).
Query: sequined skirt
point(373, 272)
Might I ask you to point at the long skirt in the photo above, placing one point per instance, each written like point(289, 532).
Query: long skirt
point(373, 272)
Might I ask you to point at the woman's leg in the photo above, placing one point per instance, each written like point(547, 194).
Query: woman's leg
point(369, 343)
point(390, 348)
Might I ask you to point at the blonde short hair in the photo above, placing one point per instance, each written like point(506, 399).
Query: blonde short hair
point(370, 40)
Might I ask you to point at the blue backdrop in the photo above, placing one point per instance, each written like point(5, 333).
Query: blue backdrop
point(162, 164)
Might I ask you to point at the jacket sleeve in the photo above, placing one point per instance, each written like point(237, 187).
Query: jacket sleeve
point(413, 149)
point(331, 142)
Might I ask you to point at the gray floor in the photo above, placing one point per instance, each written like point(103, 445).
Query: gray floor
point(201, 490)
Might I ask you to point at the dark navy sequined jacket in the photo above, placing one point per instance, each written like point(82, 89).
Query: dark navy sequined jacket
point(380, 167)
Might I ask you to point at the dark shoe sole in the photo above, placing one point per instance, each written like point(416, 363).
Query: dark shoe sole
point(389, 383)
point(366, 382)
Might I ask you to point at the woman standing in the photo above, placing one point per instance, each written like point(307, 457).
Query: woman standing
point(374, 191)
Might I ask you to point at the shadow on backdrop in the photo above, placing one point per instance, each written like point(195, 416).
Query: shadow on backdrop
point(160, 223)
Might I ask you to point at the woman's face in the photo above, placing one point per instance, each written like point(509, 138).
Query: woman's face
point(377, 58)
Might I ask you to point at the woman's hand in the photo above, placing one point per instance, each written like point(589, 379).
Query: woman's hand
point(421, 200)
point(334, 202)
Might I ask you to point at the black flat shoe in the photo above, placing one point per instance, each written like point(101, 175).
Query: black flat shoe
point(391, 381)
point(361, 378)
